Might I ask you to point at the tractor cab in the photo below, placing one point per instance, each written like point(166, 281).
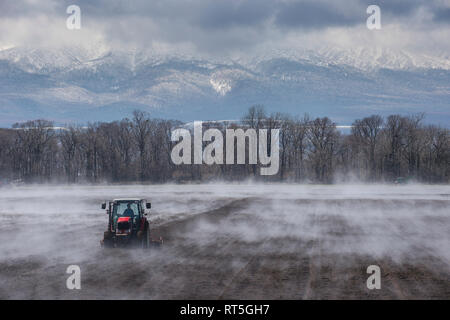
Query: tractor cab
point(127, 210)
point(127, 223)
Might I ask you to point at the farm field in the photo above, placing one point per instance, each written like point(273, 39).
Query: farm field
point(230, 241)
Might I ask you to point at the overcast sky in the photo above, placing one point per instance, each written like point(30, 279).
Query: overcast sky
point(228, 27)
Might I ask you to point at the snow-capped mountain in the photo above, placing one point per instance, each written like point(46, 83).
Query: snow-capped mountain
point(79, 85)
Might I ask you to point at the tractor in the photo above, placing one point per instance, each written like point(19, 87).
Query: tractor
point(127, 224)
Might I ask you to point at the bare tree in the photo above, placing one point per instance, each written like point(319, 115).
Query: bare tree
point(126, 150)
point(255, 118)
point(323, 137)
point(299, 144)
point(91, 145)
point(35, 139)
point(70, 148)
point(395, 139)
point(367, 132)
point(141, 128)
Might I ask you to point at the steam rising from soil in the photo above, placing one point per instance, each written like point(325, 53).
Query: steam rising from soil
point(238, 241)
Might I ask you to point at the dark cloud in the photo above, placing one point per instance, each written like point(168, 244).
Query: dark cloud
point(313, 15)
point(398, 7)
point(225, 13)
point(210, 25)
point(442, 15)
point(23, 8)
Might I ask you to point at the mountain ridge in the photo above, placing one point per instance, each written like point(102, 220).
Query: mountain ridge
point(78, 85)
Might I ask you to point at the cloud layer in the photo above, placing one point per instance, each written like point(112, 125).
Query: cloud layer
point(228, 27)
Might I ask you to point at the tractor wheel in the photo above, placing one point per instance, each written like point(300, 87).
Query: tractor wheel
point(107, 240)
point(147, 238)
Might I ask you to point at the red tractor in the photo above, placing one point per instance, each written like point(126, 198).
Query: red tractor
point(127, 224)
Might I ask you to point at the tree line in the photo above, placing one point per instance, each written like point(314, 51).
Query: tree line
point(375, 149)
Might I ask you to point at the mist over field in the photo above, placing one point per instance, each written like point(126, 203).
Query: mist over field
point(230, 241)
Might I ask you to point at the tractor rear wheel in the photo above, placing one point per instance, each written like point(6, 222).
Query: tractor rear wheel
point(107, 239)
point(145, 239)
